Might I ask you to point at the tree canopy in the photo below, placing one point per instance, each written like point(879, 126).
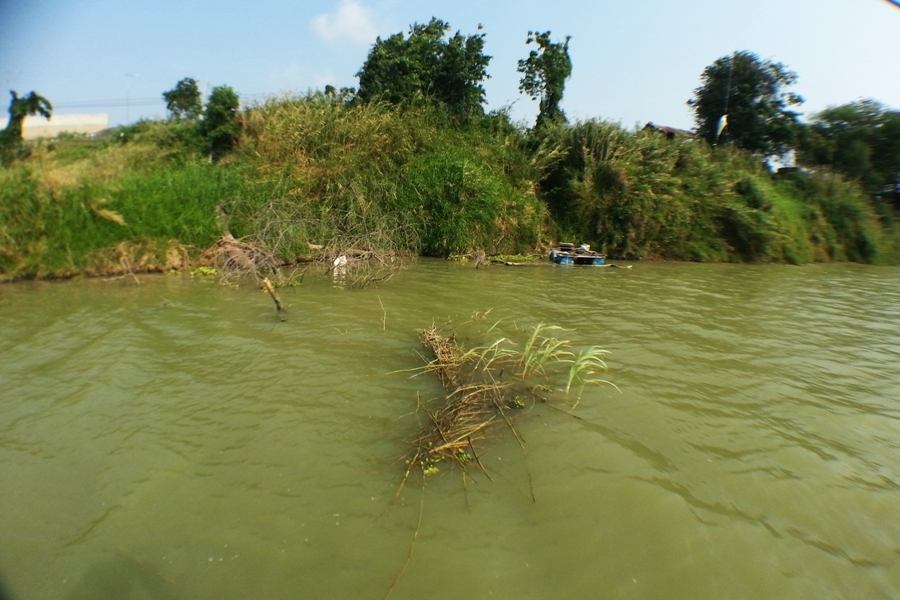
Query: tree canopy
point(19, 108)
point(753, 94)
point(860, 139)
point(28, 105)
point(183, 101)
point(427, 64)
point(544, 75)
point(220, 127)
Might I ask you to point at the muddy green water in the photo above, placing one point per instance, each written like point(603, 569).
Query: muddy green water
point(175, 440)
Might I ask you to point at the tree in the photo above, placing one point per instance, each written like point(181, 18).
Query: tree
point(860, 139)
point(752, 93)
point(183, 101)
point(220, 127)
point(19, 108)
point(427, 65)
point(544, 75)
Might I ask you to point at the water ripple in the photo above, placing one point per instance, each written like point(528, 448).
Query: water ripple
point(758, 424)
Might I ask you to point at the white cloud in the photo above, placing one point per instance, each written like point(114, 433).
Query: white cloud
point(352, 22)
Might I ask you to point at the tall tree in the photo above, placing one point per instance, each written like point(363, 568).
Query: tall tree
point(544, 75)
point(427, 64)
point(861, 139)
point(183, 101)
point(220, 127)
point(752, 93)
point(19, 108)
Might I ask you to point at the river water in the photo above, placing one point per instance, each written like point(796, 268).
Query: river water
point(174, 439)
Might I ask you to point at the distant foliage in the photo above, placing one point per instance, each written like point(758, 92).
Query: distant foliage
point(219, 127)
point(753, 93)
point(427, 65)
point(183, 101)
point(544, 75)
point(860, 139)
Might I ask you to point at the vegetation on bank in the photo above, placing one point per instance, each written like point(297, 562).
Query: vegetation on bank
point(412, 164)
point(306, 171)
point(641, 195)
point(311, 170)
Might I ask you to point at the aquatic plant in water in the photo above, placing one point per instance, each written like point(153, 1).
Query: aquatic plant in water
point(485, 385)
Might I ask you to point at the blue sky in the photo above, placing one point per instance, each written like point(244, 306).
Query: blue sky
point(634, 61)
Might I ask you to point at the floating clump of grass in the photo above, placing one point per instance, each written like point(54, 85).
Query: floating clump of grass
point(514, 258)
point(204, 272)
point(486, 385)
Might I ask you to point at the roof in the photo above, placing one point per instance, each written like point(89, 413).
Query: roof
point(669, 132)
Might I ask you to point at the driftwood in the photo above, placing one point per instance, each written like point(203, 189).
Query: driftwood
point(232, 255)
point(479, 259)
point(267, 287)
point(512, 264)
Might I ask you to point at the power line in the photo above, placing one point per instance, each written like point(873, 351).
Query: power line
point(109, 103)
point(139, 102)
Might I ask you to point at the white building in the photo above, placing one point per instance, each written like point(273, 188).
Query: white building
point(35, 127)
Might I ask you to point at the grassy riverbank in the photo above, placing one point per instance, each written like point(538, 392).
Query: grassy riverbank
point(315, 171)
point(641, 195)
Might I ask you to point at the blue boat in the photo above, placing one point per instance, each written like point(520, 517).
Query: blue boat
point(568, 254)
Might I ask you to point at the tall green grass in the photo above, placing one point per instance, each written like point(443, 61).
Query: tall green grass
point(638, 194)
point(408, 179)
point(47, 231)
